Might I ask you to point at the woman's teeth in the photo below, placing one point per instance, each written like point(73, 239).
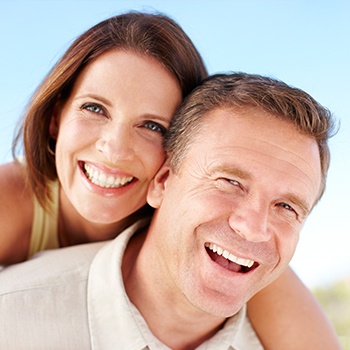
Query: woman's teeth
point(104, 180)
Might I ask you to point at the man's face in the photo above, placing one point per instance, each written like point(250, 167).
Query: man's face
point(229, 220)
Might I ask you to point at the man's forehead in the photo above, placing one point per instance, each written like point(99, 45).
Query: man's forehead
point(251, 124)
point(259, 138)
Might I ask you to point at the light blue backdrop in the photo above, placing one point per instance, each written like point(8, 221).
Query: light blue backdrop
point(305, 43)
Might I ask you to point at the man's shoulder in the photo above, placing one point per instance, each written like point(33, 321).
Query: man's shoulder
point(43, 301)
point(51, 267)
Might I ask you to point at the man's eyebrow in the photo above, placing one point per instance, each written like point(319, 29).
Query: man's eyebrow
point(295, 199)
point(234, 171)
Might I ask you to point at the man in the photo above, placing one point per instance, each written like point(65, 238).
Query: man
point(247, 159)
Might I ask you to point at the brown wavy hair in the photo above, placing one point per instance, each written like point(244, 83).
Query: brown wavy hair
point(155, 35)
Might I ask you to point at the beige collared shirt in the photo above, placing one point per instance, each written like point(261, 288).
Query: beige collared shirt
point(74, 299)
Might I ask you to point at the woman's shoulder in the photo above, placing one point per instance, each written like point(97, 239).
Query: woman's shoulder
point(13, 181)
point(16, 212)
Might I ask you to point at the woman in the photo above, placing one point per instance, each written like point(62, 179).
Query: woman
point(92, 138)
point(173, 69)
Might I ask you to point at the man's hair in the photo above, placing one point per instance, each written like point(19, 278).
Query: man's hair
point(239, 91)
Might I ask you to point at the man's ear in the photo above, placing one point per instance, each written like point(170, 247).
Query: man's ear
point(157, 186)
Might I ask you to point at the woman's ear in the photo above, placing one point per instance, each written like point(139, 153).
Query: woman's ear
point(54, 122)
point(53, 129)
point(157, 186)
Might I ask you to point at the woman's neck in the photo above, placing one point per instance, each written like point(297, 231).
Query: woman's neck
point(74, 229)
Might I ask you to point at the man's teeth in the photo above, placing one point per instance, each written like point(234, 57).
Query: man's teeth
point(229, 256)
point(103, 180)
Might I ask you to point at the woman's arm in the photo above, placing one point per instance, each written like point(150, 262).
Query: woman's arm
point(16, 214)
point(285, 315)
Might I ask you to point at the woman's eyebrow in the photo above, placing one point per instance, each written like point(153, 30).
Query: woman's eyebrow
point(95, 97)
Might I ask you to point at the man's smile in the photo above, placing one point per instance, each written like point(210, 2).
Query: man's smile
point(228, 260)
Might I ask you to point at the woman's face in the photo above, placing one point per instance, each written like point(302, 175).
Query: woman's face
point(110, 132)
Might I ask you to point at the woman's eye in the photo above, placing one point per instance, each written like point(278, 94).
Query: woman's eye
point(153, 126)
point(93, 107)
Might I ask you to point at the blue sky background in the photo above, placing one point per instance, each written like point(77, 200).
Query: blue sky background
point(305, 43)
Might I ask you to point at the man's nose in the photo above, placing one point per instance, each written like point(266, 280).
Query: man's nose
point(251, 221)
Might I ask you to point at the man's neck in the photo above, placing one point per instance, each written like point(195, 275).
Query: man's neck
point(169, 316)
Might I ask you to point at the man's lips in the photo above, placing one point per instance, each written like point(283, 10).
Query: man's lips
point(105, 180)
point(228, 260)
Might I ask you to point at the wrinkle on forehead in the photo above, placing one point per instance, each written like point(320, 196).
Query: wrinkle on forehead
point(264, 139)
point(279, 162)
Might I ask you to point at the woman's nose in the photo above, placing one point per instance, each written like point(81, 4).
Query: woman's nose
point(116, 144)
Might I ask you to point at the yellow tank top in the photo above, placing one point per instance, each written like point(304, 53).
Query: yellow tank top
point(45, 224)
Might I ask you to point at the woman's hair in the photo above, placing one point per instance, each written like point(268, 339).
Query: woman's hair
point(152, 35)
point(239, 92)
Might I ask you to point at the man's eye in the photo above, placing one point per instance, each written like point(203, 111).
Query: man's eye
point(93, 107)
point(287, 207)
point(153, 126)
point(234, 182)
point(229, 184)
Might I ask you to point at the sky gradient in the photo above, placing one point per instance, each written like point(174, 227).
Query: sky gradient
point(304, 43)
